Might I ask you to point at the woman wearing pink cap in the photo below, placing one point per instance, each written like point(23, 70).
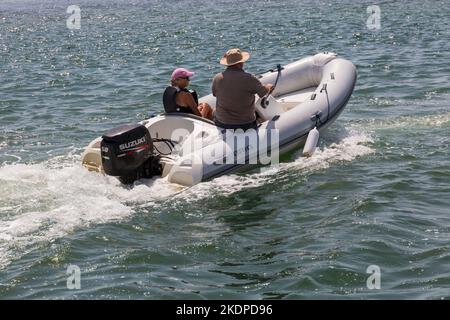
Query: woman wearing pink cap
point(177, 98)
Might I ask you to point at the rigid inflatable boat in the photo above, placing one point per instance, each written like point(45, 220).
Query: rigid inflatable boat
point(309, 95)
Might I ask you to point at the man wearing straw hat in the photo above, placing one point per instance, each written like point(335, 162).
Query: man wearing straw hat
point(235, 92)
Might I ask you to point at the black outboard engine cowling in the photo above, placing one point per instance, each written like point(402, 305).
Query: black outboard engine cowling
point(127, 153)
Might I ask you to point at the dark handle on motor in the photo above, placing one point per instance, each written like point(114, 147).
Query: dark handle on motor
point(264, 102)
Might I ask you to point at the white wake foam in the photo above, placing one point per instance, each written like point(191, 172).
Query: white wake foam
point(43, 202)
point(349, 147)
point(413, 121)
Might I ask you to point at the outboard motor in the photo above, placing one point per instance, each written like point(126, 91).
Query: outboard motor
point(127, 153)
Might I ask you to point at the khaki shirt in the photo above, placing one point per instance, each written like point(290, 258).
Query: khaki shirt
point(235, 91)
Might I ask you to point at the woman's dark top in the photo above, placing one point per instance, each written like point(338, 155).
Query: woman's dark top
point(170, 102)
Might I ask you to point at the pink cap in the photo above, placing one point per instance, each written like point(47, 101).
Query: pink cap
point(181, 72)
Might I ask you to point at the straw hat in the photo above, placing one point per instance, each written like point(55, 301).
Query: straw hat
point(234, 56)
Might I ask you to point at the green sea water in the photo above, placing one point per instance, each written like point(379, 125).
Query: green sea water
point(376, 193)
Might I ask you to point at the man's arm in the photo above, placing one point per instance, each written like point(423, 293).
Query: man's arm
point(269, 87)
point(213, 87)
point(259, 88)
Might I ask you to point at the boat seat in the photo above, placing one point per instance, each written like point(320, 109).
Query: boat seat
point(291, 100)
point(289, 105)
point(273, 108)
